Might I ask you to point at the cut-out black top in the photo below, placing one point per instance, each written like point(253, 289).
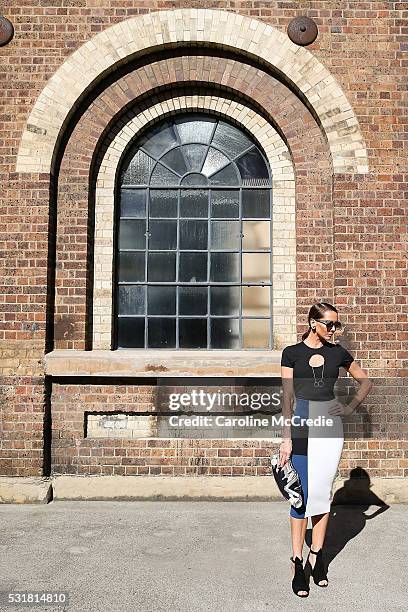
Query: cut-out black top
point(317, 382)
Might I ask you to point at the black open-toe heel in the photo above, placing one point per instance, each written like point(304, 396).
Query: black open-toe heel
point(318, 571)
point(299, 582)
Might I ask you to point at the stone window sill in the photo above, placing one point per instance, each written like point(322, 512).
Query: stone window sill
point(163, 363)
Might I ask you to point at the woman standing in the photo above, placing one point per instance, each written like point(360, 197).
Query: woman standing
point(309, 370)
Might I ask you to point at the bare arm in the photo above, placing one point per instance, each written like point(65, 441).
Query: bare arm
point(365, 386)
point(287, 411)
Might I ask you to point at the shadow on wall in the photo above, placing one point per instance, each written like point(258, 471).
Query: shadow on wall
point(348, 514)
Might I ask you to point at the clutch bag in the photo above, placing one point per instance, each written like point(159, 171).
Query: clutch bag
point(288, 481)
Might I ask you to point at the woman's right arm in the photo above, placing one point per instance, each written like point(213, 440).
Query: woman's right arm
point(287, 411)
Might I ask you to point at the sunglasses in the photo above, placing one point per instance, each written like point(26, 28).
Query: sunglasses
point(329, 324)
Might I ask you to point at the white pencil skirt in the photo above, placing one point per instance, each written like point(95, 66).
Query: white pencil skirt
point(316, 452)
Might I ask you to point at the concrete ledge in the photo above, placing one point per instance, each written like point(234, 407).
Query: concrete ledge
point(232, 488)
point(25, 490)
point(171, 488)
point(162, 362)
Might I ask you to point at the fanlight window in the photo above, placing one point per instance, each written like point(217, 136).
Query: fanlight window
point(193, 247)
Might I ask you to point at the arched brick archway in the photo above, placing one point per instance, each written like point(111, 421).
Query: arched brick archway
point(276, 103)
point(144, 34)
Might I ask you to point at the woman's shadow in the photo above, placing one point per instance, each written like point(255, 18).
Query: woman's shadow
point(348, 513)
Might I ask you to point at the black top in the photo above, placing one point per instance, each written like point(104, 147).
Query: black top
point(315, 382)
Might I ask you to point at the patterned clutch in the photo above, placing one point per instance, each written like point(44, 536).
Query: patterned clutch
point(288, 481)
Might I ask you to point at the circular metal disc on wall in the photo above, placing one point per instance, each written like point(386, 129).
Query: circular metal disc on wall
point(302, 31)
point(6, 31)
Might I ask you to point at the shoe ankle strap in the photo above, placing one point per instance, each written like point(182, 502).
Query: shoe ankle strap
point(297, 558)
point(315, 553)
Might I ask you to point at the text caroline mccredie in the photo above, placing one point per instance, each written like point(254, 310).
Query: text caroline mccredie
point(248, 420)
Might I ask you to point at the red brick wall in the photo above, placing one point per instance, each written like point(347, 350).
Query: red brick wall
point(362, 221)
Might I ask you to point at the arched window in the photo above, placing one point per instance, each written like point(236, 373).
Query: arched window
point(193, 246)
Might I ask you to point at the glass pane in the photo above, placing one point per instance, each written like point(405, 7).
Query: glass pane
point(175, 160)
point(195, 179)
point(138, 169)
point(193, 333)
point(255, 333)
point(162, 176)
point(161, 300)
point(132, 234)
point(131, 299)
point(133, 203)
point(225, 203)
point(163, 234)
point(256, 301)
point(224, 301)
point(131, 267)
point(161, 267)
point(230, 139)
point(193, 203)
point(214, 161)
point(255, 267)
point(224, 267)
point(193, 267)
point(131, 332)
point(193, 300)
point(225, 235)
point(224, 333)
point(193, 235)
point(194, 154)
point(226, 176)
point(163, 203)
point(157, 141)
point(252, 166)
point(191, 130)
point(256, 235)
point(255, 203)
point(161, 333)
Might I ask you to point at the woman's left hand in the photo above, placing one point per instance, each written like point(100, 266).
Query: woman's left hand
point(341, 409)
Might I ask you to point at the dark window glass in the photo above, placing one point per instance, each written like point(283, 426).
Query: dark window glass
point(225, 235)
point(194, 180)
point(163, 176)
point(225, 333)
point(137, 169)
point(193, 234)
point(159, 140)
point(193, 203)
point(131, 300)
point(163, 202)
point(252, 166)
point(224, 203)
point(224, 267)
point(193, 267)
point(132, 234)
point(194, 154)
point(193, 300)
point(161, 300)
point(199, 130)
point(230, 139)
point(226, 176)
point(163, 234)
point(175, 160)
point(131, 267)
point(161, 333)
point(161, 267)
point(133, 203)
point(255, 203)
point(193, 333)
point(225, 301)
point(131, 332)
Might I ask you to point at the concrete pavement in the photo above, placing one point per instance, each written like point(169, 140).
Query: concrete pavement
point(199, 556)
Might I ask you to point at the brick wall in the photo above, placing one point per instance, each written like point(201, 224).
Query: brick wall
point(351, 233)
